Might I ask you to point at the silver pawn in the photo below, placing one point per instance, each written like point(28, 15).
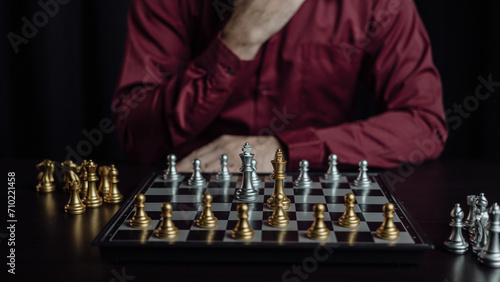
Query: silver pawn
point(255, 176)
point(196, 178)
point(480, 232)
point(223, 174)
point(456, 242)
point(490, 256)
point(471, 216)
point(362, 179)
point(171, 172)
point(303, 180)
point(332, 174)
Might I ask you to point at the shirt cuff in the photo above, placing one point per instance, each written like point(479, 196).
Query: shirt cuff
point(303, 144)
point(220, 62)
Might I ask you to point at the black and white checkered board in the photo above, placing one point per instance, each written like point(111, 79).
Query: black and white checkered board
point(119, 241)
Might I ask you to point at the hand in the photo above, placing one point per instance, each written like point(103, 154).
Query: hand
point(264, 148)
point(253, 22)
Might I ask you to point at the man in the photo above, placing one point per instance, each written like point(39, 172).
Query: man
point(199, 81)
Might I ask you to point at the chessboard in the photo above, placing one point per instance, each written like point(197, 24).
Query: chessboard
point(120, 242)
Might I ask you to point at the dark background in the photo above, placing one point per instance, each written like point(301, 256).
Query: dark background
point(62, 80)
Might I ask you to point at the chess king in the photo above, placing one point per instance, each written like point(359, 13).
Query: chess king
point(279, 166)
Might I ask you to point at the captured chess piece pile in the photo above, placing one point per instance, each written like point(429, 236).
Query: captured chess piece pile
point(81, 183)
point(248, 191)
point(482, 226)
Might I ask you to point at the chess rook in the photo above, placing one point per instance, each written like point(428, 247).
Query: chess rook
point(93, 200)
point(456, 242)
point(113, 196)
point(75, 205)
point(105, 184)
point(167, 229)
point(279, 165)
point(362, 179)
point(223, 174)
point(242, 230)
point(46, 176)
point(303, 180)
point(171, 172)
point(255, 176)
point(471, 216)
point(140, 219)
point(246, 192)
point(279, 218)
point(490, 256)
point(196, 178)
point(332, 174)
point(318, 229)
point(349, 219)
point(388, 229)
point(207, 218)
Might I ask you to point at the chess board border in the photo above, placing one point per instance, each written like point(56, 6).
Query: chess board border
point(241, 251)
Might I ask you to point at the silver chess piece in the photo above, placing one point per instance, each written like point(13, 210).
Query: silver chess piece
point(471, 216)
point(480, 232)
point(223, 174)
point(332, 174)
point(303, 180)
point(490, 256)
point(255, 176)
point(171, 172)
point(363, 179)
point(246, 192)
point(196, 178)
point(456, 242)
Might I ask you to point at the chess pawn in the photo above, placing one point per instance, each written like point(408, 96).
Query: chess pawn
point(471, 216)
point(46, 176)
point(223, 175)
point(388, 229)
point(69, 174)
point(456, 242)
point(82, 170)
point(279, 165)
point(93, 200)
point(255, 176)
point(140, 219)
point(171, 172)
point(362, 179)
point(279, 218)
point(75, 205)
point(167, 229)
point(242, 230)
point(196, 178)
point(490, 256)
point(332, 173)
point(303, 180)
point(207, 218)
point(105, 184)
point(318, 230)
point(349, 219)
point(114, 196)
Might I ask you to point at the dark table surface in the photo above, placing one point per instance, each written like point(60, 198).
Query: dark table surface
point(54, 246)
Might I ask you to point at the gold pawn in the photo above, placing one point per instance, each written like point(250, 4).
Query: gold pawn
point(207, 218)
point(318, 229)
point(82, 170)
point(279, 166)
point(388, 229)
point(75, 205)
point(113, 196)
point(46, 176)
point(140, 219)
point(167, 229)
point(349, 219)
point(105, 184)
point(279, 218)
point(93, 200)
point(242, 230)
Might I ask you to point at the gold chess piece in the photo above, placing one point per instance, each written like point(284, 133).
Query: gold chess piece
point(75, 205)
point(46, 176)
point(113, 196)
point(207, 218)
point(388, 229)
point(82, 170)
point(279, 218)
point(167, 229)
point(279, 166)
point(140, 219)
point(349, 219)
point(242, 231)
point(105, 184)
point(93, 200)
point(69, 174)
point(318, 230)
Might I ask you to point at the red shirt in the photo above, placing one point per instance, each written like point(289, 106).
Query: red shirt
point(181, 87)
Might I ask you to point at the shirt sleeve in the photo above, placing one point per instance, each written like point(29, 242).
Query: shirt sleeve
point(410, 126)
point(164, 96)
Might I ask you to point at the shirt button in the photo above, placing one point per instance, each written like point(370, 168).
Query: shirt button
point(230, 70)
point(264, 90)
